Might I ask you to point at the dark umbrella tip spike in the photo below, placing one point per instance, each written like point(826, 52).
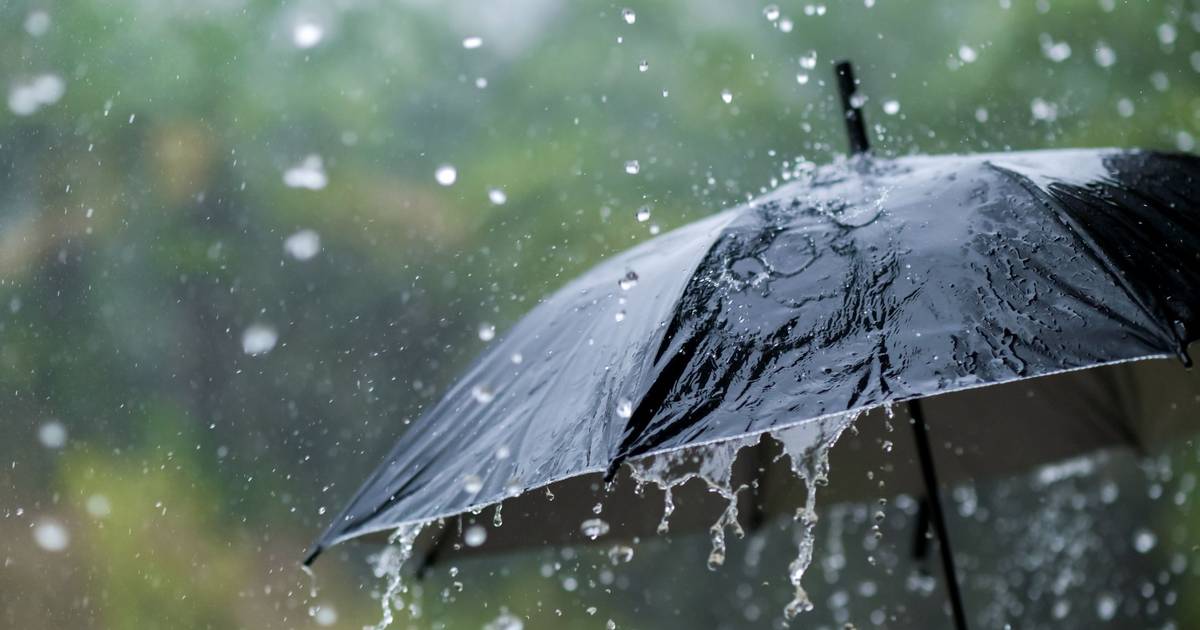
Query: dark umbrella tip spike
point(312, 555)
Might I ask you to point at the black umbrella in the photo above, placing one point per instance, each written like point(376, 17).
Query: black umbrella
point(858, 285)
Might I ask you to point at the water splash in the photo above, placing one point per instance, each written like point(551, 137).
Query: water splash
point(388, 564)
point(714, 465)
point(807, 446)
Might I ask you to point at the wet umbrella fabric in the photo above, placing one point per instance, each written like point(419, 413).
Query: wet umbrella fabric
point(860, 284)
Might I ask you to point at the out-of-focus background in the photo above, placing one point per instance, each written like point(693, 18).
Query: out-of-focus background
point(244, 243)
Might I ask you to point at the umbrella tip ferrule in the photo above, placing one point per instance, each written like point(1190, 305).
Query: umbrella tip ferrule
point(856, 130)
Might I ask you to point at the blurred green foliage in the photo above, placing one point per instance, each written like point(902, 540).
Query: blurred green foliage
point(143, 216)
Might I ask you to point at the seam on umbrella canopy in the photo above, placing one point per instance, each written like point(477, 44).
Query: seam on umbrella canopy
point(366, 531)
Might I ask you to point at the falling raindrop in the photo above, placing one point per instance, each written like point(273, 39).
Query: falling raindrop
point(51, 535)
point(475, 536)
point(25, 98)
point(891, 107)
point(809, 61)
point(643, 66)
point(37, 23)
point(802, 78)
point(727, 96)
point(472, 43)
point(1104, 55)
point(446, 175)
point(309, 174)
point(594, 528)
point(771, 12)
point(632, 167)
point(307, 34)
point(967, 54)
point(629, 16)
point(52, 434)
point(619, 554)
point(1144, 540)
point(624, 408)
point(643, 214)
point(98, 506)
point(303, 245)
point(497, 196)
point(259, 339)
point(487, 332)
point(323, 615)
point(1057, 52)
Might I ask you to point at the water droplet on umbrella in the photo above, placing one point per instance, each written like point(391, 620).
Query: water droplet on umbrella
point(472, 43)
point(303, 245)
point(619, 316)
point(727, 96)
point(771, 12)
point(487, 332)
point(629, 281)
point(475, 536)
point(594, 528)
point(624, 408)
point(482, 394)
point(259, 339)
point(446, 175)
point(309, 174)
point(629, 16)
point(503, 452)
point(472, 483)
point(497, 196)
point(632, 167)
point(517, 358)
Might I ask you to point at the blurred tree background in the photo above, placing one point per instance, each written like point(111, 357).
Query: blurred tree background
point(233, 265)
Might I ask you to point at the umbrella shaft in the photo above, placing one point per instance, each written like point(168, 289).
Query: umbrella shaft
point(937, 516)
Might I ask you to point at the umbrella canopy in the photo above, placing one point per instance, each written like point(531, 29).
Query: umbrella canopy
point(856, 285)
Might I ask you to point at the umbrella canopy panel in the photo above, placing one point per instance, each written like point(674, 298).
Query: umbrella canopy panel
point(863, 283)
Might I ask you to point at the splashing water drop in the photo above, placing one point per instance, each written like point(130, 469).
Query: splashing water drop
point(807, 446)
point(594, 528)
point(388, 564)
point(446, 175)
